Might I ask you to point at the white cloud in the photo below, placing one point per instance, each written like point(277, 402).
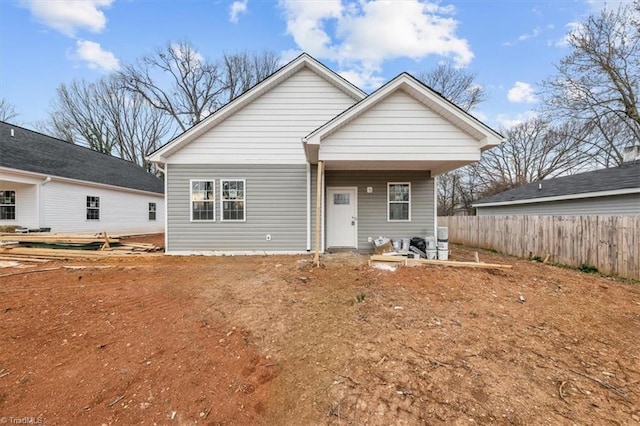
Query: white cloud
point(506, 121)
point(95, 57)
point(521, 92)
point(572, 28)
point(237, 8)
point(363, 77)
point(523, 37)
point(361, 35)
point(69, 16)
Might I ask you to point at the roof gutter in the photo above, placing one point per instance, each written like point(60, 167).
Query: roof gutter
point(560, 197)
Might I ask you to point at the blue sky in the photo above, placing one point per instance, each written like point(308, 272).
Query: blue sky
point(511, 45)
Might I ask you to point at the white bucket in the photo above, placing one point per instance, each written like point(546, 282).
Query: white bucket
point(406, 243)
point(396, 244)
point(443, 254)
point(432, 254)
point(443, 233)
point(431, 243)
point(443, 245)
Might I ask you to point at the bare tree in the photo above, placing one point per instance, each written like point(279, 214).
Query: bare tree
point(177, 80)
point(598, 83)
point(241, 71)
point(107, 118)
point(79, 117)
point(456, 188)
point(456, 84)
point(446, 196)
point(7, 111)
point(533, 151)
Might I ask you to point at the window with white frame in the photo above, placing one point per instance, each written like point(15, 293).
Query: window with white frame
point(398, 202)
point(152, 211)
point(7, 205)
point(93, 208)
point(233, 205)
point(203, 200)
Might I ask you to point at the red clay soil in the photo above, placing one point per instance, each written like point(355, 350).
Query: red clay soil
point(272, 340)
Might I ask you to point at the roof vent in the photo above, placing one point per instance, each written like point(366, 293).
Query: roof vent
point(631, 154)
point(540, 185)
point(12, 133)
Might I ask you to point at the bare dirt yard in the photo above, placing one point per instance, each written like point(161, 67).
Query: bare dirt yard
point(272, 340)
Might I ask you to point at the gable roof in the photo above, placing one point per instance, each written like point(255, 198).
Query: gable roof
point(486, 136)
point(302, 61)
point(624, 179)
point(38, 153)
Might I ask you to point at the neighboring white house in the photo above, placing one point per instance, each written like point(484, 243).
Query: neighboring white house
point(606, 192)
point(244, 180)
point(49, 183)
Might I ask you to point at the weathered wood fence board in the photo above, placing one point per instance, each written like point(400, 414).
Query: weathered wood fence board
point(610, 243)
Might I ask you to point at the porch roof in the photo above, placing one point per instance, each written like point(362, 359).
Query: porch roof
point(403, 125)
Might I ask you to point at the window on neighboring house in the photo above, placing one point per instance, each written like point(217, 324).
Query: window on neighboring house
point(7, 205)
point(93, 208)
point(398, 202)
point(233, 199)
point(202, 200)
point(152, 211)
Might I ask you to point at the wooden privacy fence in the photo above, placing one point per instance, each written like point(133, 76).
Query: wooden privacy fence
point(610, 243)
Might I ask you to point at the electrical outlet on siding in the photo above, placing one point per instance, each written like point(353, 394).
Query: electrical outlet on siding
point(268, 237)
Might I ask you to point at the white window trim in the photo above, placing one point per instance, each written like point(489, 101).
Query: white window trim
point(92, 208)
point(244, 205)
point(213, 182)
point(15, 205)
point(149, 211)
point(389, 202)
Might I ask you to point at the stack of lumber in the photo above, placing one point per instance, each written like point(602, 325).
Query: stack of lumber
point(401, 260)
point(62, 239)
point(67, 246)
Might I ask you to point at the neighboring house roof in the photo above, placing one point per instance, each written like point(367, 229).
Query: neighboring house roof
point(624, 179)
point(483, 134)
point(302, 61)
point(35, 152)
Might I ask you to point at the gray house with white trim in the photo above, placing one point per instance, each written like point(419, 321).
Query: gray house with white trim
point(247, 178)
point(606, 192)
point(52, 184)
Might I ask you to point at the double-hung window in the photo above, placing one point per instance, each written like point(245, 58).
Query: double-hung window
point(7, 205)
point(93, 208)
point(232, 200)
point(203, 200)
point(398, 202)
point(152, 211)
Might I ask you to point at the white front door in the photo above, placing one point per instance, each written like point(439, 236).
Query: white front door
point(342, 220)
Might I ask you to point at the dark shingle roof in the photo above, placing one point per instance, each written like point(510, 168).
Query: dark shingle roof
point(34, 152)
point(623, 177)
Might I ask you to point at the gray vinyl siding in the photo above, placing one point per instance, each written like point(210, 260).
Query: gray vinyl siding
point(372, 208)
point(615, 205)
point(275, 204)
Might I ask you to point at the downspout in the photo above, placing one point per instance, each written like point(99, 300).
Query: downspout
point(435, 207)
point(166, 220)
point(319, 193)
point(322, 220)
point(166, 209)
point(308, 206)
